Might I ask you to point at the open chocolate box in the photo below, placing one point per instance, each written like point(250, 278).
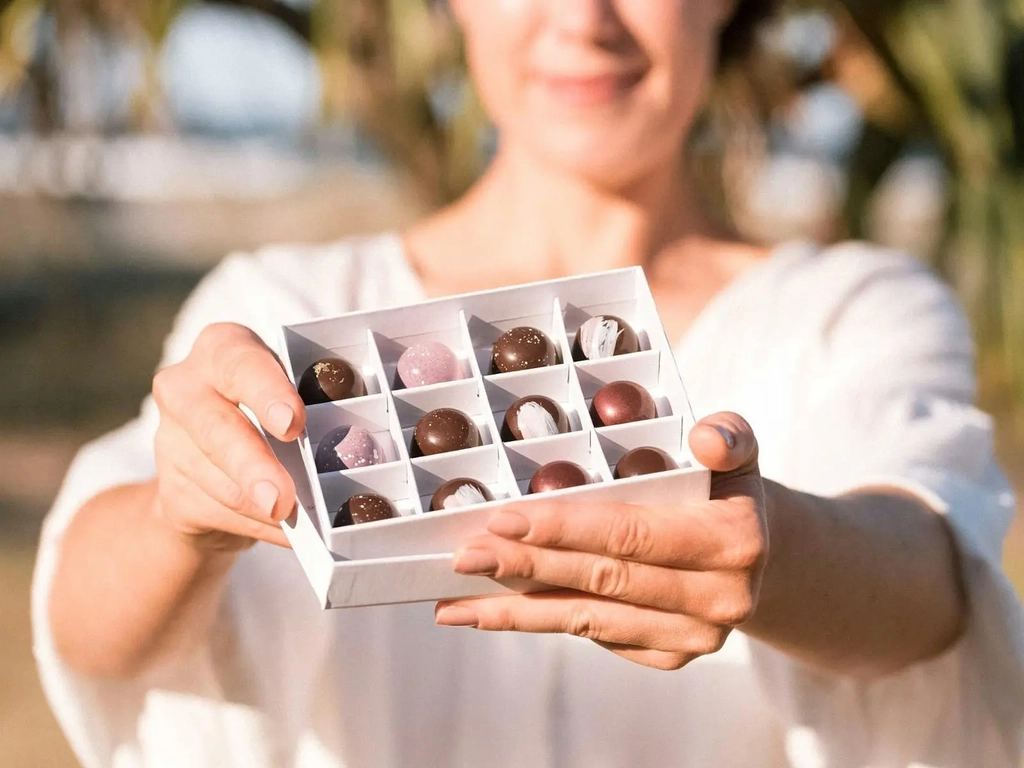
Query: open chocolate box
point(409, 558)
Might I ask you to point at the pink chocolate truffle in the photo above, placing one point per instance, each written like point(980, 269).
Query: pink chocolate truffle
point(428, 363)
point(348, 448)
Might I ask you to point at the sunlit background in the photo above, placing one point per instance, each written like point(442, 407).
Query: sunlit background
point(141, 141)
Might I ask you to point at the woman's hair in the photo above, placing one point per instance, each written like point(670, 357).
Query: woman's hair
point(738, 35)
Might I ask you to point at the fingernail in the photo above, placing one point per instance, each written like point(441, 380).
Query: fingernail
point(456, 616)
point(480, 562)
point(729, 437)
point(279, 418)
point(265, 495)
point(510, 525)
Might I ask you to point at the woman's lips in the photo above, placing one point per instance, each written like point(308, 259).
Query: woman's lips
point(591, 90)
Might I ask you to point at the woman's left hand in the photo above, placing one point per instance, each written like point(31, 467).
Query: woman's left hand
point(658, 585)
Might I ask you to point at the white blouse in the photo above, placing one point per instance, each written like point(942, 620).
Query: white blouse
point(854, 367)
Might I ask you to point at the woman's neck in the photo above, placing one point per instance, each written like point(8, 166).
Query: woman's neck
point(525, 221)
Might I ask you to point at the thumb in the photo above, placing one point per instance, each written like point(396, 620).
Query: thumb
point(725, 444)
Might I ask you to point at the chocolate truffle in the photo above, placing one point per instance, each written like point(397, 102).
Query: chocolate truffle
point(534, 416)
point(428, 363)
point(348, 448)
point(443, 431)
point(644, 461)
point(558, 475)
point(521, 349)
point(622, 402)
point(604, 336)
point(330, 379)
point(461, 492)
point(364, 508)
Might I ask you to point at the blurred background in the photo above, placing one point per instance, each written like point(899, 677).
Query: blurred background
point(141, 140)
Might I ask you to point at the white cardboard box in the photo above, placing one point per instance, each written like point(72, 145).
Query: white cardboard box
point(409, 558)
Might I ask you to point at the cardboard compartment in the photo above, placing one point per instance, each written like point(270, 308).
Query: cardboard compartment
point(466, 396)
point(556, 382)
point(323, 342)
point(392, 481)
point(391, 350)
point(369, 413)
point(486, 325)
point(485, 465)
point(643, 368)
point(409, 558)
point(666, 434)
point(582, 448)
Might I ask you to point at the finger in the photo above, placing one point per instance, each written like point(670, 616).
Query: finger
point(700, 536)
point(196, 514)
point(593, 618)
point(245, 371)
point(231, 443)
point(663, 660)
point(718, 597)
point(175, 448)
point(724, 442)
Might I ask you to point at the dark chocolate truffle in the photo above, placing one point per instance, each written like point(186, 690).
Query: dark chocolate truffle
point(558, 475)
point(330, 379)
point(460, 492)
point(622, 402)
point(644, 461)
point(521, 349)
point(364, 508)
point(348, 448)
point(604, 336)
point(442, 431)
point(532, 417)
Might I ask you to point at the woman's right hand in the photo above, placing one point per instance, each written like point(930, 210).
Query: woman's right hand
point(218, 482)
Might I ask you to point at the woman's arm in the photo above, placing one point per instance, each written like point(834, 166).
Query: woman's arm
point(864, 584)
point(129, 588)
point(141, 567)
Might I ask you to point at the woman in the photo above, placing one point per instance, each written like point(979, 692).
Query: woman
point(877, 628)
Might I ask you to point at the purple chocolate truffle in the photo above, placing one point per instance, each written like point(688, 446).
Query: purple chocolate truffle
point(428, 363)
point(348, 448)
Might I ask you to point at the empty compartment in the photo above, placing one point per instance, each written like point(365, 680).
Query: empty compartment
point(392, 481)
point(392, 348)
point(484, 465)
point(526, 457)
point(369, 413)
point(485, 329)
point(353, 347)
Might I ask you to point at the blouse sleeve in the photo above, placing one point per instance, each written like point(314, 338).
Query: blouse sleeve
point(892, 405)
point(207, 709)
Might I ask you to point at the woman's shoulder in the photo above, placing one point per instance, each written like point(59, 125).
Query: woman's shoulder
point(860, 286)
point(289, 283)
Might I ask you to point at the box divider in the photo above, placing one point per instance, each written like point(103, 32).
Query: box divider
point(394, 426)
point(504, 468)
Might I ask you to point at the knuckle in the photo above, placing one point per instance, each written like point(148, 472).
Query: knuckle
point(711, 642)
point(748, 549)
point(734, 606)
point(214, 430)
point(629, 536)
point(609, 577)
point(232, 496)
point(498, 619)
point(672, 662)
point(163, 388)
point(583, 623)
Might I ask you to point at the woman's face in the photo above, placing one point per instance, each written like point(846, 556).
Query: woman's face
point(603, 89)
